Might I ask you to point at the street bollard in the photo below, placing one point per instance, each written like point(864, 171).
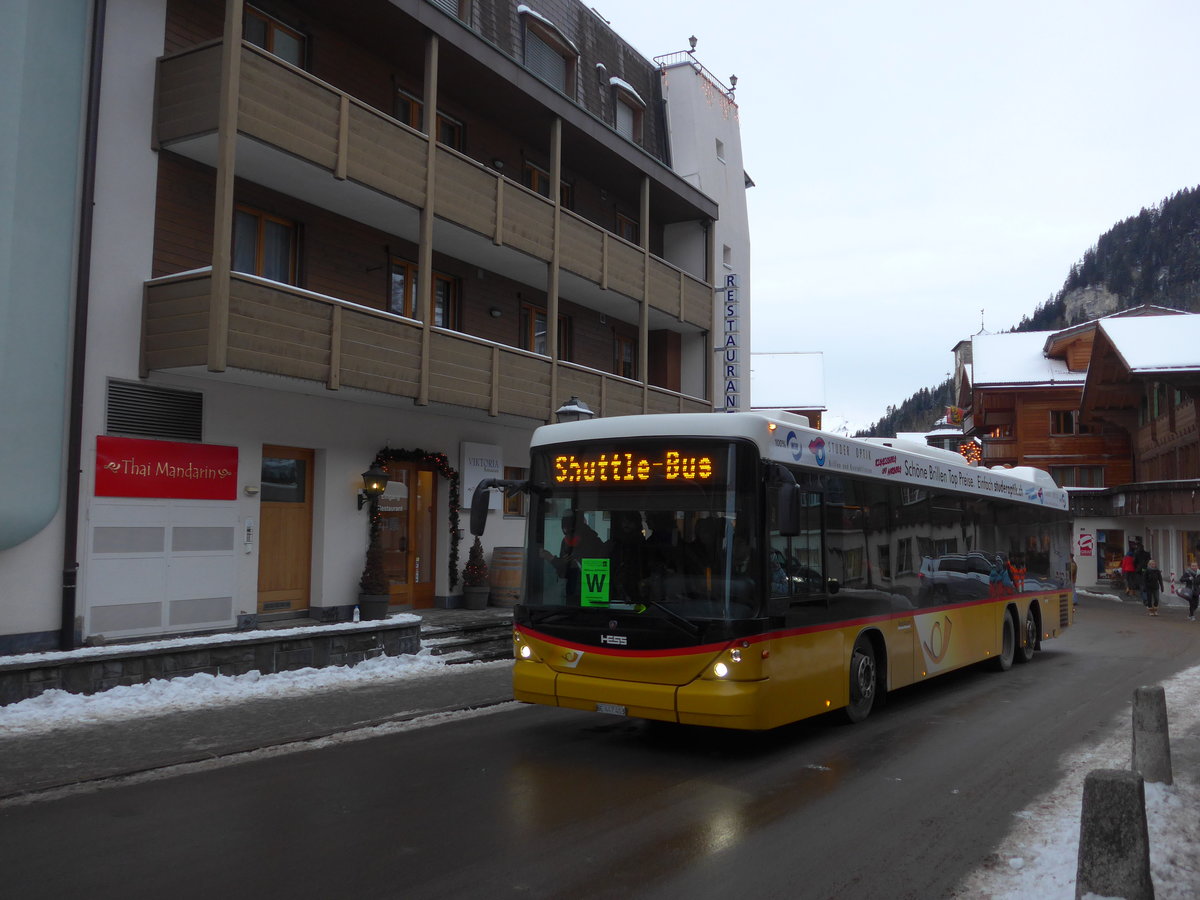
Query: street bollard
point(1114, 843)
point(1151, 740)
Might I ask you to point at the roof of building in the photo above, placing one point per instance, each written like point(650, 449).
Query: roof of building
point(1155, 343)
point(1018, 358)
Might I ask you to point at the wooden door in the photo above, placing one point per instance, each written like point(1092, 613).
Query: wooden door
point(407, 533)
point(285, 530)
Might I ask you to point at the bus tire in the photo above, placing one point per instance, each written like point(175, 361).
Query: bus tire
point(1008, 644)
point(864, 680)
point(1029, 636)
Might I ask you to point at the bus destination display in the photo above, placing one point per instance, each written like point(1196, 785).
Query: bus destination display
point(635, 467)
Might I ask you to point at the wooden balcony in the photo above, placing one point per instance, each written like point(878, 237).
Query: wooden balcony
point(275, 329)
point(284, 108)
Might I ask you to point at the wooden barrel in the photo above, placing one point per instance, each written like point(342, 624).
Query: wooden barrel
point(504, 575)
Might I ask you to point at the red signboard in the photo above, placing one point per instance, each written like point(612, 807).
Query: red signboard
point(131, 467)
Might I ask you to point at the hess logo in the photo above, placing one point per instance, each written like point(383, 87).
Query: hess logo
point(614, 640)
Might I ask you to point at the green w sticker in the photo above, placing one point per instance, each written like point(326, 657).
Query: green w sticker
point(593, 588)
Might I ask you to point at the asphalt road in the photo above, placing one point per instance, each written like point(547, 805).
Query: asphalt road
point(536, 802)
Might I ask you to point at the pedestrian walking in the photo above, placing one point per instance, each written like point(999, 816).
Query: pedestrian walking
point(1189, 588)
point(1152, 585)
point(1127, 571)
point(1141, 561)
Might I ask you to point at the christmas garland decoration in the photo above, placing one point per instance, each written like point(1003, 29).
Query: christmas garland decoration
point(442, 464)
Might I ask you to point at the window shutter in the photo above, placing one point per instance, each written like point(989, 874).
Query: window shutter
point(624, 121)
point(544, 61)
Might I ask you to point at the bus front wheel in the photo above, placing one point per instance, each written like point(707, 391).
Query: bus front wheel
point(863, 680)
point(1008, 644)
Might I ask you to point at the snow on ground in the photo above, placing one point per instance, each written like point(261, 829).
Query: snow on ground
point(1036, 859)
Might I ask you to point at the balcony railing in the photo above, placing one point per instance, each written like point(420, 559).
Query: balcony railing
point(277, 329)
point(286, 108)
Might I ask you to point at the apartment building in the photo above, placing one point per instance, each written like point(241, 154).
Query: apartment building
point(1107, 407)
point(321, 242)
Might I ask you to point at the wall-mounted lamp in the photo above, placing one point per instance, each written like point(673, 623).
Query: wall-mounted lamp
point(692, 41)
point(573, 410)
point(495, 312)
point(732, 83)
point(497, 164)
point(375, 482)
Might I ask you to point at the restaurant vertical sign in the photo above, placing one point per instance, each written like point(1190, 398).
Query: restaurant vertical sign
point(731, 375)
point(133, 467)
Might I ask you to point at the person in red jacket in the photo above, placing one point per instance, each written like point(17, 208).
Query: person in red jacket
point(1128, 571)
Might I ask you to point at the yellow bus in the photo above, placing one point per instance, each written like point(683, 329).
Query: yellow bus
point(743, 570)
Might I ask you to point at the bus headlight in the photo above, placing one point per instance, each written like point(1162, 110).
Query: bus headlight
point(526, 651)
point(720, 670)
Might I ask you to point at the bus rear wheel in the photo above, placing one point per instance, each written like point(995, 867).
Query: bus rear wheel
point(1029, 636)
point(1008, 644)
point(863, 680)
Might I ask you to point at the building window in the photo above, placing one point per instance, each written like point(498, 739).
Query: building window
point(445, 301)
point(549, 54)
point(628, 229)
point(727, 256)
point(402, 298)
point(538, 180)
point(720, 150)
point(514, 504)
point(403, 295)
point(408, 109)
point(273, 36)
point(1078, 476)
point(533, 332)
point(624, 357)
point(264, 245)
point(627, 112)
point(1066, 421)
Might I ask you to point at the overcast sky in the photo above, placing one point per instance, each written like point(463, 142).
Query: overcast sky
point(917, 162)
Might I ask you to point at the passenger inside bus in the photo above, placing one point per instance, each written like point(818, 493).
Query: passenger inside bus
point(579, 542)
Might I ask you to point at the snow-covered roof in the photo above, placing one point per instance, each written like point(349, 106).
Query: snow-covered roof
point(523, 10)
point(627, 87)
point(1156, 343)
point(1018, 358)
point(787, 380)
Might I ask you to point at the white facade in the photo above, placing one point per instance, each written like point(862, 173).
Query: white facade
point(158, 566)
point(706, 149)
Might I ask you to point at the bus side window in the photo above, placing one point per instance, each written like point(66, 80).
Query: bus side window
point(795, 562)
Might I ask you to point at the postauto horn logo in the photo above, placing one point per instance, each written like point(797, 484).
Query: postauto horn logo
point(817, 446)
point(793, 445)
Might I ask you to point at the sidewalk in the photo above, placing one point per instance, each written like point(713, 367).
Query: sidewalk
point(56, 758)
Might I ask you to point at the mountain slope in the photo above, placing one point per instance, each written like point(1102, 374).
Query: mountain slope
point(1153, 257)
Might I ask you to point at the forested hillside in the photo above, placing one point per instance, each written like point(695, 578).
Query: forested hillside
point(1153, 257)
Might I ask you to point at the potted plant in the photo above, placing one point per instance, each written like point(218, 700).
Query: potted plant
point(373, 595)
point(475, 578)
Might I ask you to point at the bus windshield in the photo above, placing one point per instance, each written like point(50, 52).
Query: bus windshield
point(660, 527)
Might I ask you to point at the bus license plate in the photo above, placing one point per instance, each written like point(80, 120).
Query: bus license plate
point(611, 708)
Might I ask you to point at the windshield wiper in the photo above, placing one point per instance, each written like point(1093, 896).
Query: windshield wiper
point(684, 624)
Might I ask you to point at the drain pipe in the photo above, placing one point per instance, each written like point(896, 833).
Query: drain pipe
point(69, 636)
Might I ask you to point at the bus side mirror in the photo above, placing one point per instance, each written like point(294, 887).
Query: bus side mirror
point(479, 501)
point(479, 506)
point(787, 510)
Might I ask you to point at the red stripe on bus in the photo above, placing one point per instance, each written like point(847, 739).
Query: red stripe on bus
point(765, 636)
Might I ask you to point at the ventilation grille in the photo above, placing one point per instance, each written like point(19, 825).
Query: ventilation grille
point(141, 410)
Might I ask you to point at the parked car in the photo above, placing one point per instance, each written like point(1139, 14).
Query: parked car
point(953, 577)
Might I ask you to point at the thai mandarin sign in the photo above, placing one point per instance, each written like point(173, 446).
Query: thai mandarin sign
point(732, 349)
point(132, 467)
